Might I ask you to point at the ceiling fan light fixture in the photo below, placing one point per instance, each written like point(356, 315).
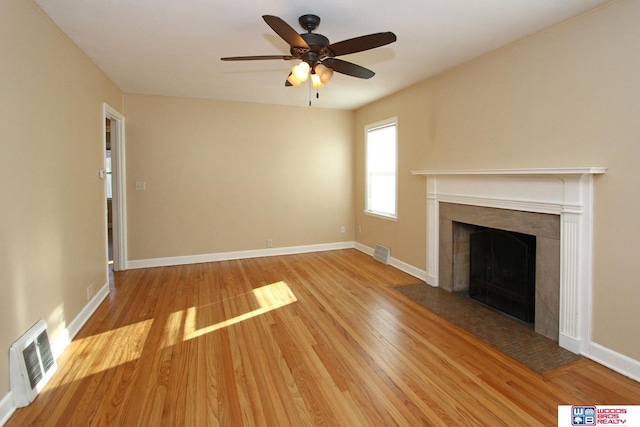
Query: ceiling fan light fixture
point(301, 71)
point(325, 73)
point(314, 51)
point(293, 80)
point(316, 81)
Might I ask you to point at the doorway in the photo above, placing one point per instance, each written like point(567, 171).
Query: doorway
point(115, 189)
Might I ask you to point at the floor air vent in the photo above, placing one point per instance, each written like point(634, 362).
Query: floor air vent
point(382, 254)
point(31, 364)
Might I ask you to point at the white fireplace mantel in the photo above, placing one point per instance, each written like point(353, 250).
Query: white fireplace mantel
point(567, 192)
point(526, 171)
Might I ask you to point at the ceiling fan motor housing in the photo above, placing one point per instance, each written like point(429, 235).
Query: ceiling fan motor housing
point(317, 48)
point(309, 22)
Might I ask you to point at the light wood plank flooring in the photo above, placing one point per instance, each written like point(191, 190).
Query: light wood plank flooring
point(303, 340)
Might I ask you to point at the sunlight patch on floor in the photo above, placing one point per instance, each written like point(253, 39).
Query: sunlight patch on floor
point(172, 329)
point(109, 349)
point(267, 298)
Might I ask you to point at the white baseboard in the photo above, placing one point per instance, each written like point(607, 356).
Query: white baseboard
point(409, 269)
point(363, 248)
point(7, 406)
point(63, 341)
point(618, 362)
point(569, 343)
point(431, 280)
point(227, 256)
point(400, 265)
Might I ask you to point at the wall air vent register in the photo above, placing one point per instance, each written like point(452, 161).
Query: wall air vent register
point(31, 364)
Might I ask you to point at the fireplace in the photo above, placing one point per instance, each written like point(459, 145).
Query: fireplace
point(540, 233)
point(565, 194)
point(502, 271)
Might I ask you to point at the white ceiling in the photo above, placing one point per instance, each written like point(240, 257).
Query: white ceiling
point(173, 47)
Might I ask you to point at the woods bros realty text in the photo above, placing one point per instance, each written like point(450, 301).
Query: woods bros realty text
point(599, 415)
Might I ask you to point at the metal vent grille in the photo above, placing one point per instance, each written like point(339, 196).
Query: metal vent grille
point(382, 254)
point(31, 364)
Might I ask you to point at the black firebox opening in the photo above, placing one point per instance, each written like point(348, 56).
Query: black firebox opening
point(503, 271)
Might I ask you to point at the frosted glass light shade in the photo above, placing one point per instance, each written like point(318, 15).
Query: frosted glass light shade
point(301, 71)
point(293, 80)
point(325, 73)
point(316, 81)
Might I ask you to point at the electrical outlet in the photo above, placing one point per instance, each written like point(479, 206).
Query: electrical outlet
point(359, 229)
point(269, 243)
point(343, 229)
point(89, 292)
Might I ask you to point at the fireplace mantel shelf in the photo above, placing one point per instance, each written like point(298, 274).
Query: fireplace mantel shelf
point(526, 171)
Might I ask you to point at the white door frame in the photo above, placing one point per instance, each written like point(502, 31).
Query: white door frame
point(119, 192)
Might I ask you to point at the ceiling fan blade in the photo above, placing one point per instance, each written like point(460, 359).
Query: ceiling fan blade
point(348, 68)
point(361, 43)
point(257, 58)
point(285, 31)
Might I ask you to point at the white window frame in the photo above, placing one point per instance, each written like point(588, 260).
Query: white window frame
point(393, 121)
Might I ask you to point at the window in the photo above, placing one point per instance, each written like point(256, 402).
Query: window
point(381, 148)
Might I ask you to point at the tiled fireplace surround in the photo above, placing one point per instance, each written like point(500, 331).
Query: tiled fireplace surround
point(553, 204)
point(454, 248)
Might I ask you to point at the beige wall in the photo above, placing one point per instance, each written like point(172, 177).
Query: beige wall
point(569, 96)
point(52, 220)
point(227, 176)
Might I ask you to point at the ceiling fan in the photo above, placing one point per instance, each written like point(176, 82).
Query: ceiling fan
point(317, 55)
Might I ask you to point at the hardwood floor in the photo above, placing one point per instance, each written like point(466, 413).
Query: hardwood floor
point(303, 340)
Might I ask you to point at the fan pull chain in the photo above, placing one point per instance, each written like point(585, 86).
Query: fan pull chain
point(317, 92)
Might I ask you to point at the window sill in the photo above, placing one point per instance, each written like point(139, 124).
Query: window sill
point(381, 216)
